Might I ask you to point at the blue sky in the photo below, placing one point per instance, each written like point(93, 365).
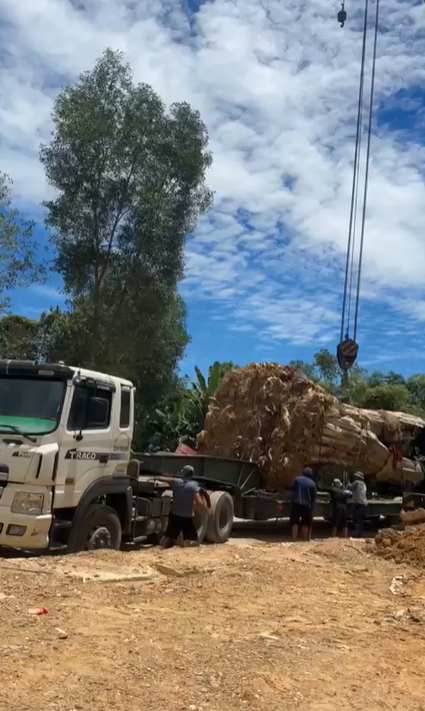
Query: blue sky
point(276, 84)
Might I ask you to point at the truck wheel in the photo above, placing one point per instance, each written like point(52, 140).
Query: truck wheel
point(100, 528)
point(201, 523)
point(220, 519)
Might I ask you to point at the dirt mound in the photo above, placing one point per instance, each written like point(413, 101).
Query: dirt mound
point(406, 546)
point(271, 414)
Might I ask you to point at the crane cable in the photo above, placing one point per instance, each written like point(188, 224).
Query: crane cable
point(349, 266)
point(366, 181)
point(348, 348)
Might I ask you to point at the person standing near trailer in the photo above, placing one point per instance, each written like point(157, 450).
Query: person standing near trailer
point(359, 498)
point(339, 500)
point(187, 495)
point(303, 497)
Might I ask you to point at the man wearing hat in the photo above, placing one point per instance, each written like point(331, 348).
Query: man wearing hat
point(186, 495)
point(339, 498)
point(303, 496)
point(359, 498)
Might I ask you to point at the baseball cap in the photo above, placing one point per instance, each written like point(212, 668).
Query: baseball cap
point(187, 470)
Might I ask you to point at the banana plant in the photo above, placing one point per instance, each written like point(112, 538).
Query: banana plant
point(208, 388)
point(204, 389)
point(181, 420)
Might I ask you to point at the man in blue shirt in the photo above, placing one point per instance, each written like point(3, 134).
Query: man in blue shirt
point(302, 503)
point(186, 494)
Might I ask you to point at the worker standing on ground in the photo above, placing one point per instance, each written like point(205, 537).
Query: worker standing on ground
point(339, 499)
point(303, 497)
point(187, 494)
point(359, 493)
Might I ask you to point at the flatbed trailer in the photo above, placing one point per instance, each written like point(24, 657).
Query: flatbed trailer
point(228, 480)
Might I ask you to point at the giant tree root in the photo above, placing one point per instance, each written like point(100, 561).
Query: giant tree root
point(272, 415)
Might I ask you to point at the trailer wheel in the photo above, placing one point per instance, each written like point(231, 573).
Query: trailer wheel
point(220, 519)
point(100, 528)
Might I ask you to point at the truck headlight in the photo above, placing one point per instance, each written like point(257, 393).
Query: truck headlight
point(26, 503)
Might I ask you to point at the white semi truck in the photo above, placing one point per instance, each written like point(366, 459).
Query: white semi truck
point(69, 481)
point(65, 439)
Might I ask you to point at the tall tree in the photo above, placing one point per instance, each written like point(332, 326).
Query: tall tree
point(393, 378)
point(18, 249)
point(130, 183)
point(327, 366)
point(376, 378)
point(416, 387)
point(307, 369)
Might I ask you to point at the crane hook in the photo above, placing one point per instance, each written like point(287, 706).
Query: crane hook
point(342, 15)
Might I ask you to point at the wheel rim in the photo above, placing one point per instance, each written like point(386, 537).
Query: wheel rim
point(100, 537)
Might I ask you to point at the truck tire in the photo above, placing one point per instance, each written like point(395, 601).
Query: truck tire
point(201, 523)
point(100, 528)
point(220, 518)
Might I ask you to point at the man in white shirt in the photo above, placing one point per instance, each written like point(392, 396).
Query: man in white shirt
point(359, 498)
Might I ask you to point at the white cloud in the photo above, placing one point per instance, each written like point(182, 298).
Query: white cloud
point(49, 292)
point(277, 86)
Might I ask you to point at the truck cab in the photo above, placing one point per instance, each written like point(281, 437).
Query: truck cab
point(65, 443)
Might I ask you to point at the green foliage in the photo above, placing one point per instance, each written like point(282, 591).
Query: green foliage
point(327, 367)
point(181, 417)
point(224, 368)
point(324, 370)
point(416, 387)
point(377, 391)
point(200, 392)
point(376, 378)
point(18, 249)
point(392, 378)
point(164, 428)
point(307, 369)
point(386, 397)
point(19, 338)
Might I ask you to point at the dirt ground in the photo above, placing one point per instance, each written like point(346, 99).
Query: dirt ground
point(249, 627)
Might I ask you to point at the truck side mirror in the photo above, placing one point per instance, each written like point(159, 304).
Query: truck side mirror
point(97, 412)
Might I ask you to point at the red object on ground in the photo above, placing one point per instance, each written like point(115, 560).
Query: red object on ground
point(184, 449)
point(38, 611)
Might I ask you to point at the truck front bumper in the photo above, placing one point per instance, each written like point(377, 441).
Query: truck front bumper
point(23, 531)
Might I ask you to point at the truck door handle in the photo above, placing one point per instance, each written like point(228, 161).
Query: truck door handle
point(103, 459)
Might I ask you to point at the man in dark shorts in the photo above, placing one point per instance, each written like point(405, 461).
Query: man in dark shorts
point(339, 499)
point(186, 495)
point(302, 503)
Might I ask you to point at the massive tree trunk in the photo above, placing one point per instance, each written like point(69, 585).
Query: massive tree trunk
point(272, 415)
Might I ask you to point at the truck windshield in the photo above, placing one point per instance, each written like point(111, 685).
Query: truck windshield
point(32, 406)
